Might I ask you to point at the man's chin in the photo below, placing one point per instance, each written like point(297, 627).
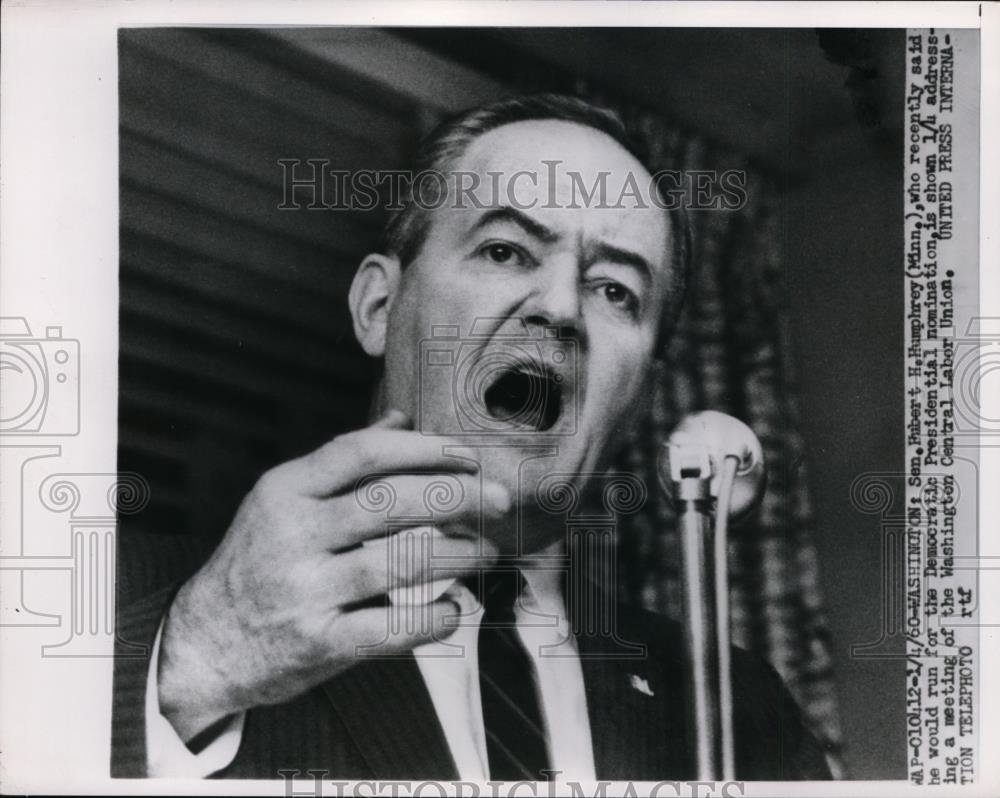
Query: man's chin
point(525, 533)
point(545, 487)
point(540, 469)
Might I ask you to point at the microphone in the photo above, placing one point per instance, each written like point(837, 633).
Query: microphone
point(712, 465)
point(700, 446)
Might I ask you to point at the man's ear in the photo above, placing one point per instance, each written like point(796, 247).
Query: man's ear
point(372, 293)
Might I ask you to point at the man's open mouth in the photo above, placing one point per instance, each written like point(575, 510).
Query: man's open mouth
point(528, 397)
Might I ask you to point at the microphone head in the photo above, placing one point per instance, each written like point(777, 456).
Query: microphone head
point(698, 447)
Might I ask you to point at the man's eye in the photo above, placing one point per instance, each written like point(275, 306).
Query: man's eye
point(618, 294)
point(499, 252)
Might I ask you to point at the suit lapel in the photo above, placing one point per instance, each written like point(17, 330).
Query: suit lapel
point(385, 706)
point(634, 706)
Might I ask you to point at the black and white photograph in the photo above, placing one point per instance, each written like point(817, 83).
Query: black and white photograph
point(492, 403)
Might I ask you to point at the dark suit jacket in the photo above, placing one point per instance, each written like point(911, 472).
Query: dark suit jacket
point(376, 720)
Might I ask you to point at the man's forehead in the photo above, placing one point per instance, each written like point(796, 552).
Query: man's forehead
point(567, 176)
point(536, 146)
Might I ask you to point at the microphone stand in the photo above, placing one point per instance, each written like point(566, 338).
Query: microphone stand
point(706, 605)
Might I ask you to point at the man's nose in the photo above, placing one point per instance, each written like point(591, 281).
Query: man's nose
point(555, 299)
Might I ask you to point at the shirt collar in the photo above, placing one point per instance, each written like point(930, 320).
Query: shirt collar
point(544, 578)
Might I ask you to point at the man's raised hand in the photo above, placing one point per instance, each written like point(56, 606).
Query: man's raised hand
point(281, 604)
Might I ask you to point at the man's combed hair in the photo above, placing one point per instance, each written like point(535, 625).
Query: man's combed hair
point(441, 151)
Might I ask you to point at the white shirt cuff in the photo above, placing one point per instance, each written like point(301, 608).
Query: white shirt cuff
point(166, 754)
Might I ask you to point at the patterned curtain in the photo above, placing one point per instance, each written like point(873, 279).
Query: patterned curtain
point(732, 352)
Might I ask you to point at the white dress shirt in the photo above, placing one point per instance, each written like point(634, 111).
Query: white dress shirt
point(450, 669)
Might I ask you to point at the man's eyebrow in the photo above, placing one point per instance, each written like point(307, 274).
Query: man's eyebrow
point(507, 214)
point(602, 251)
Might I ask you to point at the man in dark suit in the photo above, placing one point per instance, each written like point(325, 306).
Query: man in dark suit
point(409, 601)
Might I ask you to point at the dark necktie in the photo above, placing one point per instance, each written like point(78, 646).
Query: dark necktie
point(512, 715)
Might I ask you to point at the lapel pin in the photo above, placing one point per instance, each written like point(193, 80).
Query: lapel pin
point(640, 684)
